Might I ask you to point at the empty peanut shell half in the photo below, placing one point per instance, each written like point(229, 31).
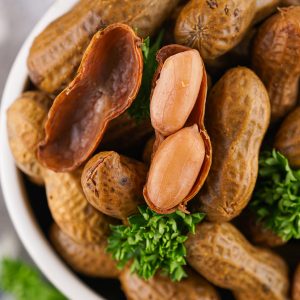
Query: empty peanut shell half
point(160, 287)
point(57, 51)
point(71, 211)
point(107, 82)
point(182, 151)
point(113, 184)
point(91, 260)
point(25, 127)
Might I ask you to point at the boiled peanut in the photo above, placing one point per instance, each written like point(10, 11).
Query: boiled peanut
point(220, 253)
point(107, 82)
point(175, 168)
point(296, 284)
point(276, 59)
point(237, 117)
point(25, 127)
point(57, 51)
point(176, 91)
point(113, 184)
point(287, 139)
point(72, 212)
point(160, 287)
point(91, 260)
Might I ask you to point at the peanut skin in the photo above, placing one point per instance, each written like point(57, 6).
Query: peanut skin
point(57, 51)
point(25, 126)
point(220, 253)
point(113, 184)
point(276, 59)
point(237, 117)
point(160, 287)
point(90, 260)
point(287, 139)
point(72, 212)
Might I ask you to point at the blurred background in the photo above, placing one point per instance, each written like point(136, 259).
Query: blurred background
point(17, 18)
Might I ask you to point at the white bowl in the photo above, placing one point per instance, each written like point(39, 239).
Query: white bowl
point(13, 187)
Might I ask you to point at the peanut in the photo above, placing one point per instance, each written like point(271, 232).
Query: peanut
point(220, 253)
point(113, 184)
point(25, 123)
point(175, 168)
point(276, 59)
point(57, 51)
point(90, 260)
point(287, 139)
point(237, 117)
point(176, 91)
point(160, 287)
point(72, 212)
point(106, 84)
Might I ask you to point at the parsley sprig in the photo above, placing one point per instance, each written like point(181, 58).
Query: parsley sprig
point(153, 242)
point(276, 199)
point(140, 109)
point(25, 282)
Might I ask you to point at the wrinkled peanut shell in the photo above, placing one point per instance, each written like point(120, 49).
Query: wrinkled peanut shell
point(90, 260)
point(220, 253)
point(25, 127)
point(237, 117)
point(160, 287)
point(113, 184)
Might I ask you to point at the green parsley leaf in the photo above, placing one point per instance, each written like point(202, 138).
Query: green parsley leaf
point(25, 282)
point(276, 198)
point(140, 108)
point(153, 242)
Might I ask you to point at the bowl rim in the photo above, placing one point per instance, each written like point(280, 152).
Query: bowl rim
point(14, 194)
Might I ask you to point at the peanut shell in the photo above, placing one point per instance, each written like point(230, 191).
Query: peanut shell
point(90, 260)
point(237, 117)
point(106, 84)
point(57, 51)
point(113, 184)
point(160, 287)
point(72, 212)
point(276, 59)
point(25, 127)
point(296, 284)
point(220, 253)
point(287, 139)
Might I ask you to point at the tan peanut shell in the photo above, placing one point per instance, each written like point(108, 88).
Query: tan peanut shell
point(71, 211)
point(90, 260)
point(113, 184)
point(214, 26)
point(25, 127)
point(106, 84)
point(296, 284)
point(287, 139)
point(276, 59)
point(194, 287)
point(196, 117)
point(237, 117)
point(220, 253)
point(57, 51)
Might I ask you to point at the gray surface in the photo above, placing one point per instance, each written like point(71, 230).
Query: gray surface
point(17, 18)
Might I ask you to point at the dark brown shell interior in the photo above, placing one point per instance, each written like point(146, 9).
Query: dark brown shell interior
point(106, 84)
point(196, 117)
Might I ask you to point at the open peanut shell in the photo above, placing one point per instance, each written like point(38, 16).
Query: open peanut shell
point(106, 84)
point(196, 117)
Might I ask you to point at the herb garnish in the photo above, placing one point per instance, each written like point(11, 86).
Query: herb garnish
point(153, 241)
point(276, 199)
point(25, 282)
point(140, 108)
